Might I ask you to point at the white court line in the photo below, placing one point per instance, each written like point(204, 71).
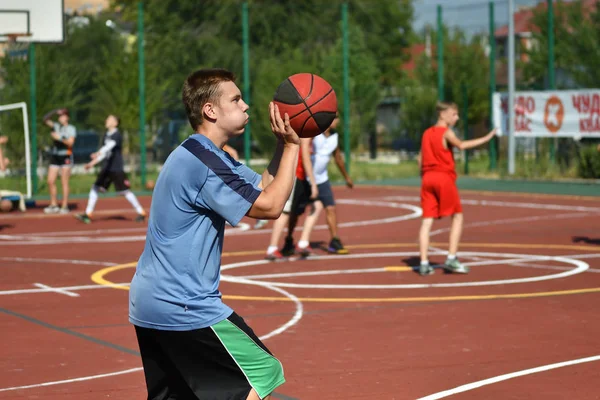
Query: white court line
point(81, 287)
point(242, 229)
point(478, 384)
point(537, 206)
point(293, 321)
point(84, 378)
point(56, 290)
point(58, 261)
point(580, 267)
point(513, 220)
point(316, 273)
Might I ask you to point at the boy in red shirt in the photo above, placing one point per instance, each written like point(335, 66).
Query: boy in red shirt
point(439, 194)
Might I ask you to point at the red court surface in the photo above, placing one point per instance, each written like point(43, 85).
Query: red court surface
point(522, 325)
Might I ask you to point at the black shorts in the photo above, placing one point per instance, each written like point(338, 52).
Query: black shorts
point(61, 161)
point(224, 361)
point(300, 197)
point(118, 178)
point(326, 194)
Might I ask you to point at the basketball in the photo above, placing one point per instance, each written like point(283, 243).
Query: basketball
point(310, 102)
point(6, 205)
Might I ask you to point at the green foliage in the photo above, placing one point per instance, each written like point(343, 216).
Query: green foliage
point(465, 63)
point(286, 37)
point(576, 45)
point(589, 162)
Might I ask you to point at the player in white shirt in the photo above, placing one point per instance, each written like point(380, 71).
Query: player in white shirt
point(324, 146)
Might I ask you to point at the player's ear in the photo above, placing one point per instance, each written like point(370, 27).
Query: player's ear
point(208, 110)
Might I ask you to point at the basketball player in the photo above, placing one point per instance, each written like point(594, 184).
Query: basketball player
point(439, 194)
point(61, 158)
point(112, 172)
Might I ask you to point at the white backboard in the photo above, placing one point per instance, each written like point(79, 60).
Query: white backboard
point(45, 19)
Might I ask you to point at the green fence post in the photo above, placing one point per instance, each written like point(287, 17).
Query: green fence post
point(492, 147)
point(551, 77)
point(346, 80)
point(440, 53)
point(246, 66)
point(33, 118)
point(465, 118)
point(142, 92)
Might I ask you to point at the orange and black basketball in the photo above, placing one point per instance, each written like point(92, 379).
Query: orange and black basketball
point(310, 102)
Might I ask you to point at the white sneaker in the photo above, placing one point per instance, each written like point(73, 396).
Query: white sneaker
point(64, 211)
point(51, 209)
point(260, 223)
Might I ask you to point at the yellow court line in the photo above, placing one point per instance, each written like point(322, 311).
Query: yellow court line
point(99, 278)
point(415, 244)
point(491, 193)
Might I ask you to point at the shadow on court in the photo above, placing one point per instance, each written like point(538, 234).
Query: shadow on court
point(6, 226)
point(586, 239)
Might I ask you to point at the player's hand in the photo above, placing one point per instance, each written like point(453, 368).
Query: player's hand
point(88, 166)
point(55, 136)
point(3, 139)
point(349, 182)
point(281, 126)
point(314, 191)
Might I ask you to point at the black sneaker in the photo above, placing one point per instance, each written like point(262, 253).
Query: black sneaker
point(336, 246)
point(83, 218)
point(140, 218)
point(288, 248)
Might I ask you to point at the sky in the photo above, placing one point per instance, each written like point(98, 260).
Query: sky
point(470, 15)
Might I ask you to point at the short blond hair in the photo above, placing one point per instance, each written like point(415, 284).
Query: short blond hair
point(442, 106)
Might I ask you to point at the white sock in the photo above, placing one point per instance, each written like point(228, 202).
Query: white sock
point(134, 201)
point(91, 201)
point(303, 244)
point(271, 249)
point(451, 257)
point(424, 262)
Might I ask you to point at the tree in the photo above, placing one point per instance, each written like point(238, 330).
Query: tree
point(576, 50)
point(183, 35)
point(465, 63)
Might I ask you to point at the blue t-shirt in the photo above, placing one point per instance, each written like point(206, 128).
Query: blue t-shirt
point(176, 283)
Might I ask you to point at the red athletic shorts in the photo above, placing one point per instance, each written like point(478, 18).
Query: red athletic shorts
point(439, 195)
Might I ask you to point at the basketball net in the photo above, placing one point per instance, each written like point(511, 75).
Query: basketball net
point(14, 48)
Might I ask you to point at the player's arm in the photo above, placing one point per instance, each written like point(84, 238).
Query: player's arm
point(451, 138)
point(101, 153)
point(232, 152)
point(271, 200)
point(47, 119)
point(339, 161)
point(308, 167)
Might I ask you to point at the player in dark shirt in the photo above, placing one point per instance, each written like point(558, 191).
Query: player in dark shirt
point(113, 171)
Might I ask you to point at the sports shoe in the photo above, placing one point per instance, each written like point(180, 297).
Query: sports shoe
point(426, 269)
point(64, 210)
point(140, 218)
point(260, 223)
point(51, 209)
point(274, 256)
point(455, 266)
point(304, 252)
point(336, 247)
point(83, 218)
point(288, 248)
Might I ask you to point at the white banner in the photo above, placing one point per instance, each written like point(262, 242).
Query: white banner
point(556, 113)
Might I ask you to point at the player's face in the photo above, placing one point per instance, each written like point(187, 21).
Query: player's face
point(63, 119)
point(231, 109)
point(111, 122)
point(450, 116)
